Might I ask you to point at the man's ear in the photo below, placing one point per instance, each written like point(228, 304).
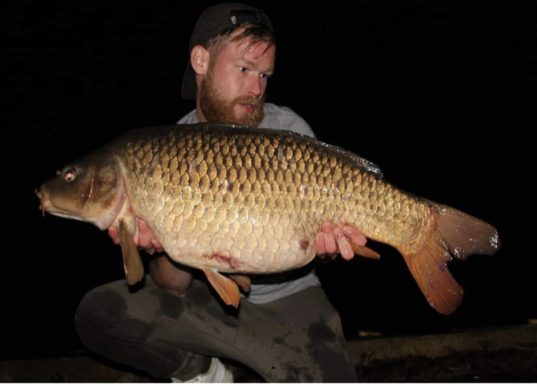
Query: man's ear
point(199, 59)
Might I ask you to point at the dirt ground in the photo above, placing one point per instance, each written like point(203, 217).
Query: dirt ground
point(516, 364)
point(490, 355)
point(503, 354)
point(504, 365)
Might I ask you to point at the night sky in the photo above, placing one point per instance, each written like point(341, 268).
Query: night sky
point(440, 96)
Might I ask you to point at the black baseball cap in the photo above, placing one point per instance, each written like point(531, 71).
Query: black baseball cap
point(212, 22)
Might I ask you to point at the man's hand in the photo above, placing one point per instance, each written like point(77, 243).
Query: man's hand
point(143, 237)
point(164, 273)
point(331, 240)
point(345, 240)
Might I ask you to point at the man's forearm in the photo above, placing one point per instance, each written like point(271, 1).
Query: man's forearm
point(168, 276)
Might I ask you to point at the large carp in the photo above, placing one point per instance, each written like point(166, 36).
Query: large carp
point(237, 200)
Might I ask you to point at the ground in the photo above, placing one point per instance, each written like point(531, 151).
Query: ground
point(504, 365)
point(506, 354)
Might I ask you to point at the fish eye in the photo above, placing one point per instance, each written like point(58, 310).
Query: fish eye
point(69, 174)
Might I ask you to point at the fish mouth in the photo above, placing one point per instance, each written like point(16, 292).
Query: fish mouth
point(45, 205)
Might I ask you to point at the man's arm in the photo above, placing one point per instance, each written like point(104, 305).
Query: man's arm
point(168, 276)
point(163, 271)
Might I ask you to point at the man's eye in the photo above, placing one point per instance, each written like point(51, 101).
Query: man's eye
point(243, 69)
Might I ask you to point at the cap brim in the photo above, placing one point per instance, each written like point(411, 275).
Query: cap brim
point(188, 88)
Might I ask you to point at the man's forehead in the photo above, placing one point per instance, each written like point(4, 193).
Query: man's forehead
point(237, 38)
point(251, 48)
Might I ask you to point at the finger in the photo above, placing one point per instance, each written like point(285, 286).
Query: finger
point(320, 247)
point(354, 235)
point(156, 245)
point(113, 233)
point(343, 243)
point(142, 226)
point(145, 240)
point(330, 243)
point(136, 237)
point(144, 235)
point(327, 227)
point(345, 248)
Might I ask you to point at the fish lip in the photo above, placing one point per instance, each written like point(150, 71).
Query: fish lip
point(45, 205)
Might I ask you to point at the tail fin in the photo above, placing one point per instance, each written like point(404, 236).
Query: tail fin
point(455, 234)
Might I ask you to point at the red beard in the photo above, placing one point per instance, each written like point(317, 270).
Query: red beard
point(217, 110)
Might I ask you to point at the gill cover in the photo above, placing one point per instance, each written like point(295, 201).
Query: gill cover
point(89, 190)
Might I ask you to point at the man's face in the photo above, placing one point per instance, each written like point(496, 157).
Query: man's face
point(233, 89)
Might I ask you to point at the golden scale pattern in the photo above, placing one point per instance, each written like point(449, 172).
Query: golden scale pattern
point(256, 197)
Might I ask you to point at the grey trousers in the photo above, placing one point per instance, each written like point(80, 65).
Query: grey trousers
point(297, 338)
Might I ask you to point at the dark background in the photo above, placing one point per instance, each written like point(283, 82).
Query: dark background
point(439, 95)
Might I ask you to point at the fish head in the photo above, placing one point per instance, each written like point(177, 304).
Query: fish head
point(90, 190)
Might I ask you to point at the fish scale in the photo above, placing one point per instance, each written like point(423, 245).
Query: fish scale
point(231, 199)
point(248, 166)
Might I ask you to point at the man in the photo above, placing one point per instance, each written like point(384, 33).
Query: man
point(285, 330)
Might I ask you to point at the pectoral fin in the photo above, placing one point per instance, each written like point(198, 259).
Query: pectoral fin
point(132, 261)
point(224, 286)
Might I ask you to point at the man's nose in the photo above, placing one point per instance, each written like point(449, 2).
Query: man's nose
point(256, 86)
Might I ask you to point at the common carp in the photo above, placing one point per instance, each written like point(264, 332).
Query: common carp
point(237, 200)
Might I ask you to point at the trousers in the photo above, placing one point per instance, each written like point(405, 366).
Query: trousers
point(294, 339)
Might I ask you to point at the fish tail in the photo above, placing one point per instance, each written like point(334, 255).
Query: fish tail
point(453, 234)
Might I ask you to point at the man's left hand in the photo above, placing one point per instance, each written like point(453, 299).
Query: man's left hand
point(332, 240)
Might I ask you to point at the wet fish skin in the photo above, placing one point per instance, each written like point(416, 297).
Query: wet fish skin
point(232, 183)
point(232, 199)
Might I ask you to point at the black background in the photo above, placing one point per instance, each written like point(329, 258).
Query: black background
point(439, 95)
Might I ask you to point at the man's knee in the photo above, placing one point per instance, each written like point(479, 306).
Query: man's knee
point(102, 316)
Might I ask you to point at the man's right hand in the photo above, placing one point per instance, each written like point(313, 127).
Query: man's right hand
point(345, 240)
point(143, 237)
point(163, 271)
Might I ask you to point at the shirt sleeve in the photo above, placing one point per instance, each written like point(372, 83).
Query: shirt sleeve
point(280, 117)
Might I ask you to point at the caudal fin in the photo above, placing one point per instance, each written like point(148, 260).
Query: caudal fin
point(455, 234)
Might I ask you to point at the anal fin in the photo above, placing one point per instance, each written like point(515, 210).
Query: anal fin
point(429, 269)
point(242, 281)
